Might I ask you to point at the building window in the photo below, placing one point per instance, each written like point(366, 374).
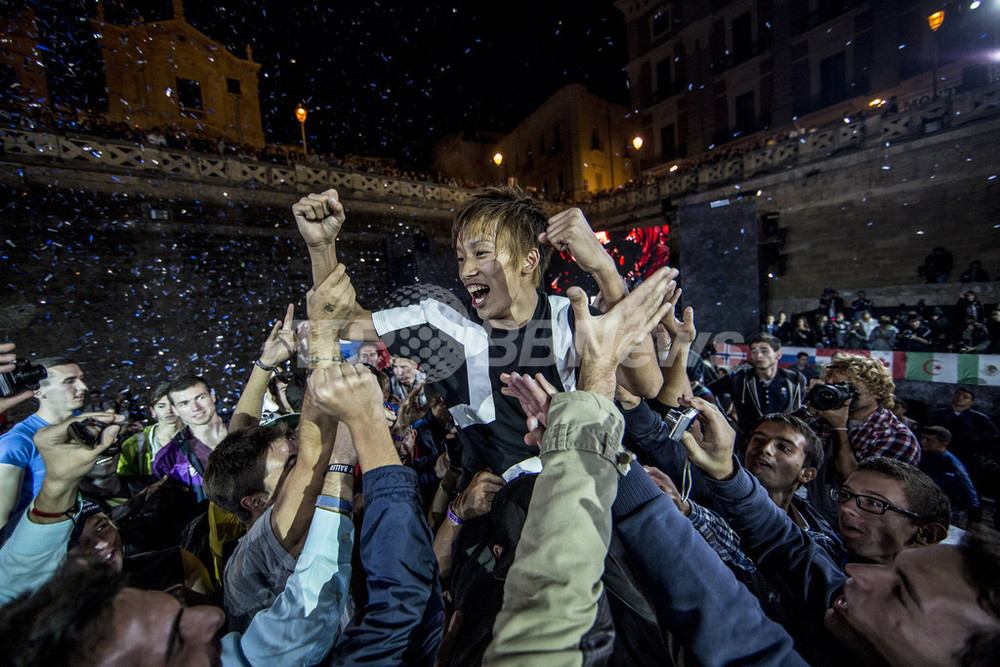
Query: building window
point(560, 184)
point(595, 140)
point(189, 97)
point(742, 38)
point(599, 180)
point(746, 117)
point(661, 21)
point(663, 79)
point(541, 144)
point(233, 86)
point(832, 80)
point(556, 140)
point(668, 142)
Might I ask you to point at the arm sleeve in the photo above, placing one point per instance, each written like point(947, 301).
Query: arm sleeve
point(403, 620)
point(785, 554)
point(551, 592)
point(164, 461)
point(696, 596)
point(31, 556)
point(652, 435)
point(16, 450)
point(301, 625)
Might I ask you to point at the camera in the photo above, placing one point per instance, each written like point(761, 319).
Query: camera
point(87, 432)
point(830, 396)
point(680, 421)
point(25, 375)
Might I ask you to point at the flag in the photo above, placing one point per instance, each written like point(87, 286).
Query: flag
point(934, 366)
point(981, 369)
point(894, 361)
point(729, 355)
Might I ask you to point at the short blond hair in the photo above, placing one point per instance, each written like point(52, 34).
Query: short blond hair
point(871, 373)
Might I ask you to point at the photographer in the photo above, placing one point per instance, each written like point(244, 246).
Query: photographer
point(863, 425)
point(60, 394)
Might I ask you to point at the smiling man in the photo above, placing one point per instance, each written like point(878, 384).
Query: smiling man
point(186, 455)
point(59, 396)
point(502, 241)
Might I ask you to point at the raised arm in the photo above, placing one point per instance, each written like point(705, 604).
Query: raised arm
point(37, 546)
point(319, 218)
point(278, 348)
point(402, 622)
point(674, 367)
point(570, 231)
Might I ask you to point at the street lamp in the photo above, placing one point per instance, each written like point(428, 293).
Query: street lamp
point(637, 143)
point(300, 115)
point(498, 158)
point(934, 21)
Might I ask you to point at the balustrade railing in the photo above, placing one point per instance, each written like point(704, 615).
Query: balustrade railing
point(232, 171)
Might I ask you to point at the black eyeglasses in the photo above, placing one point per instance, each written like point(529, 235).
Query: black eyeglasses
point(869, 503)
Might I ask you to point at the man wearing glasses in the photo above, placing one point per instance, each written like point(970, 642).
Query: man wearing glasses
point(888, 506)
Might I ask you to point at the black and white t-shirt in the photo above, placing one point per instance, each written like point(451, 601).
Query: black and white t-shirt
point(491, 425)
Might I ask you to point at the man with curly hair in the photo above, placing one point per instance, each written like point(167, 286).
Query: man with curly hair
point(862, 427)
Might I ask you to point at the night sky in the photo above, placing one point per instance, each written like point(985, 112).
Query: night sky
point(383, 78)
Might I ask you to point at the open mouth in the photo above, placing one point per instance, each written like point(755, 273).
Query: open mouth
point(479, 292)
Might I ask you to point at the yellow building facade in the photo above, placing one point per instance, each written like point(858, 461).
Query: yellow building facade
point(575, 143)
point(22, 72)
point(169, 74)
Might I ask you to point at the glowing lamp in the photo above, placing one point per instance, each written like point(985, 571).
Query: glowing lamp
point(498, 158)
point(300, 114)
point(935, 20)
point(637, 143)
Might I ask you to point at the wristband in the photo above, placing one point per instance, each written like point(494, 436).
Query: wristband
point(263, 366)
point(454, 518)
point(447, 491)
point(839, 428)
point(341, 468)
point(335, 504)
point(70, 513)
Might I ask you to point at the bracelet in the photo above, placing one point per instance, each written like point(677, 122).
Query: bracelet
point(447, 491)
point(313, 360)
point(454, 517)
point(341, 468)
point(335, 504)
point(839, 428)
point(263, 367)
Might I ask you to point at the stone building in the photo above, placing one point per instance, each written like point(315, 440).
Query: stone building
point(575, 143)
point(22, 74)
point(703, 74)
point(169, 74)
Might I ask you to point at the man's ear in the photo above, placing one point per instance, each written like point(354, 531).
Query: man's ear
point(931, 533)
point(531, 261)
point(255, 503)
point(807, 475)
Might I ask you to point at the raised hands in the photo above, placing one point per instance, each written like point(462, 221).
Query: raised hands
point(570, 231)
point(681, 331)
point(603, 342)
point(280, 344)
point(319, 218)
point(67, 462)
point(350, 394)
point(334, 298)
point(714, 453)
point(534, 395)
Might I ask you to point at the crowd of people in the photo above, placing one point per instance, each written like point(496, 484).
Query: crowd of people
point(510, 477)
point(968, 327)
